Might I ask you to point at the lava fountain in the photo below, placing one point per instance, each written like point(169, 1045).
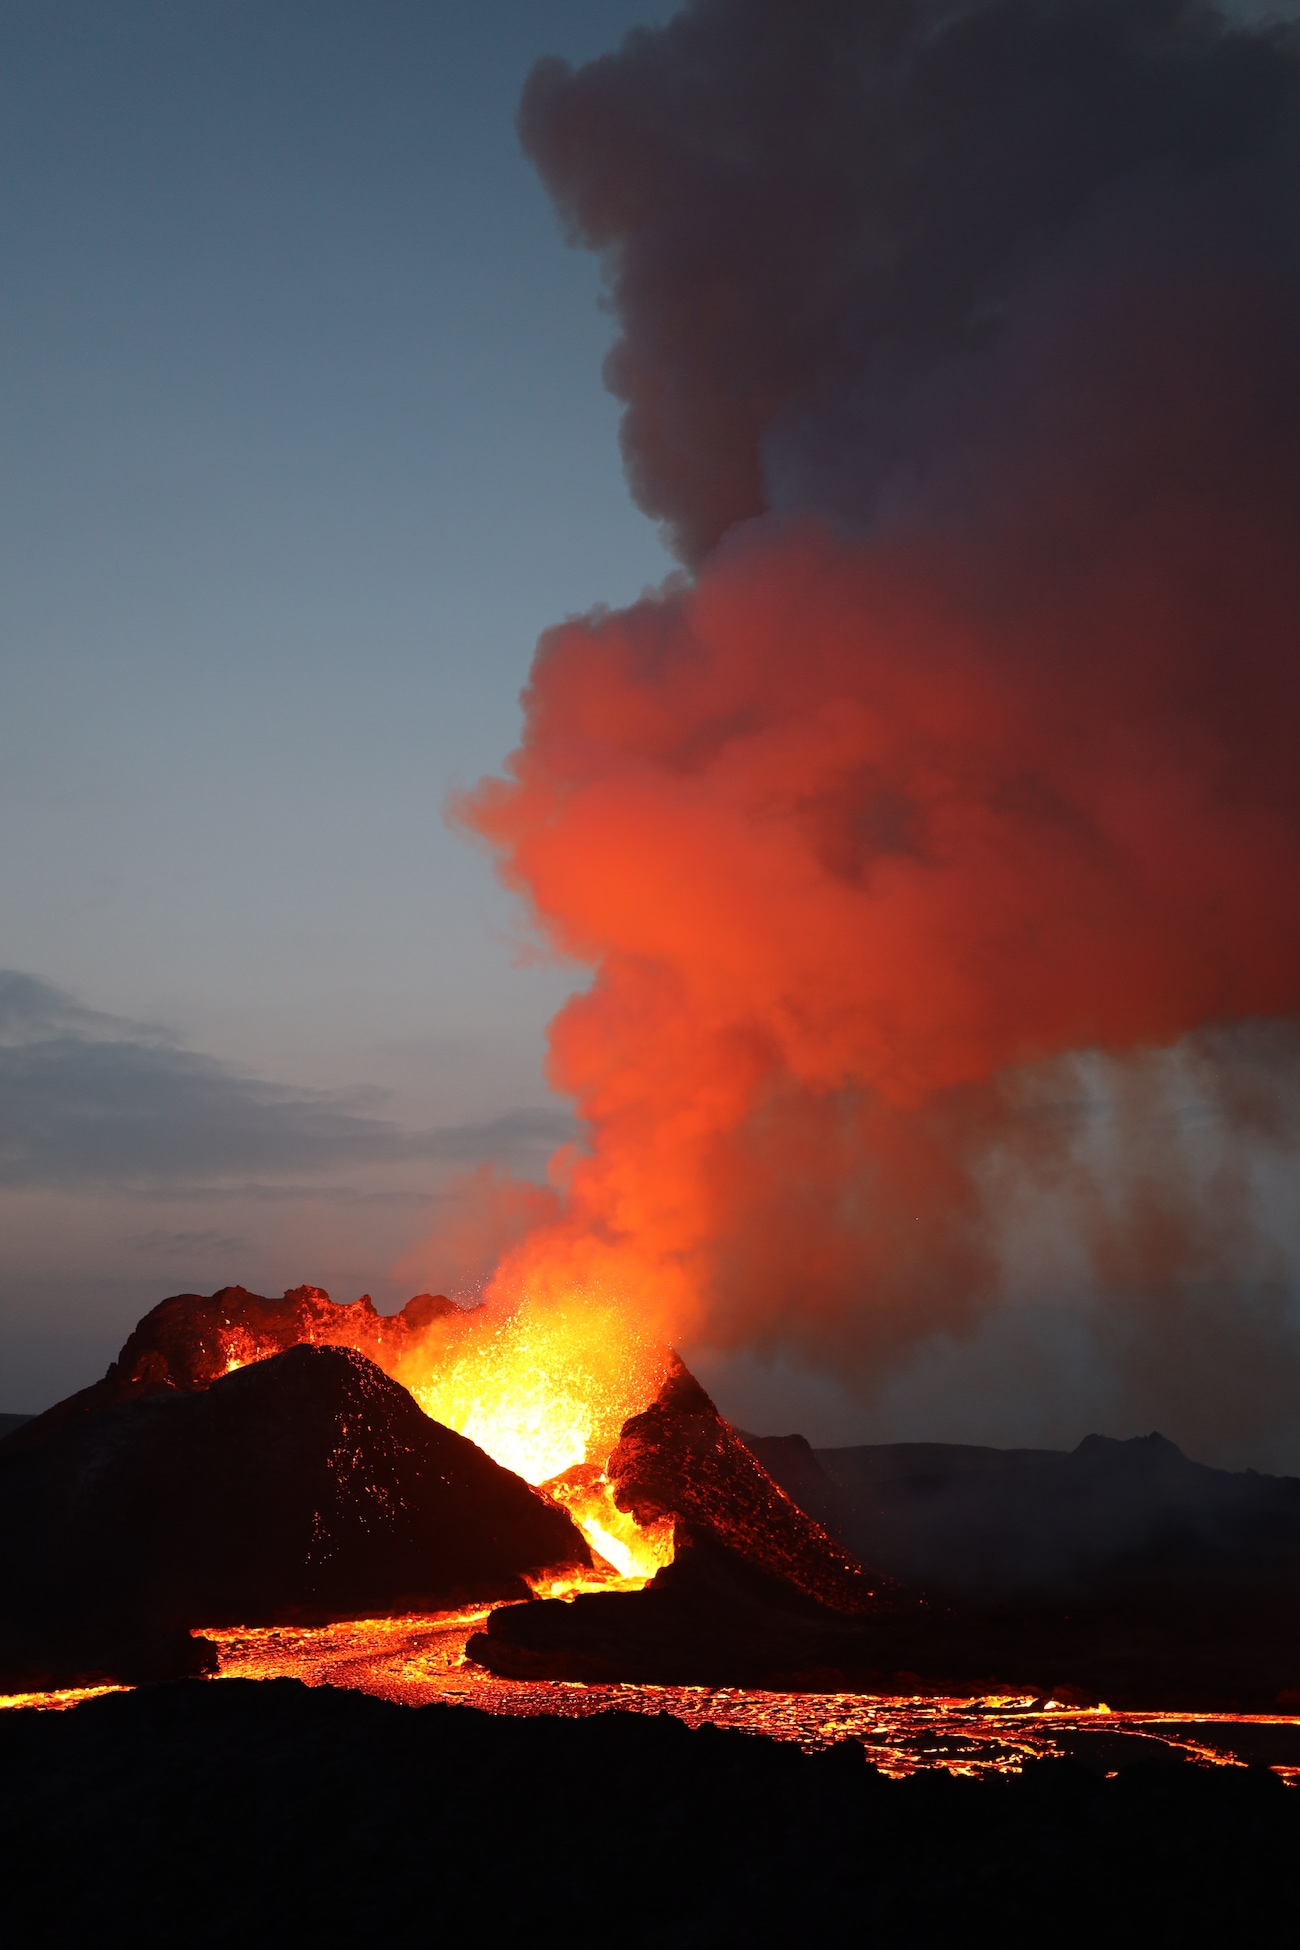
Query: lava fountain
point(542, 1376)
point(544, 1386)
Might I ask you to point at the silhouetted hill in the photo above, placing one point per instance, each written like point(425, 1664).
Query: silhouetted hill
point(304, 1487)
point(270, 1814)
point(990, 1525)
point(759, 1594)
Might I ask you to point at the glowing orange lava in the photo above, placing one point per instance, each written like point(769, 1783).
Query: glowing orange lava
point(635, 1550)
point(545, 1386)
point(419, 1660)
point(241, 1349)
point(59, 1699)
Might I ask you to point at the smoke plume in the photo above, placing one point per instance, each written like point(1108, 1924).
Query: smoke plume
point(933, 842)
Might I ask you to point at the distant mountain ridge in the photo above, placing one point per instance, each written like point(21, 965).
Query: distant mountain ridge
point(984, 1525)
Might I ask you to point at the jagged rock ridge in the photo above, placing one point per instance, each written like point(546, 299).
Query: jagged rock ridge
point(192, 1339)
point(758, 1593)
point(680, 1459)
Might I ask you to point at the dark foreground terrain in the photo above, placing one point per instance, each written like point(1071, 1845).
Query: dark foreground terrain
point(263, 1813)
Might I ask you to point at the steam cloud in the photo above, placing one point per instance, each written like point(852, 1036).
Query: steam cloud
point(935, 843)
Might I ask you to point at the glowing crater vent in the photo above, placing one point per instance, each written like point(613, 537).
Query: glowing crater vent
point(545, 1390)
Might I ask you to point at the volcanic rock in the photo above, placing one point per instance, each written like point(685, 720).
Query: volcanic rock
point(680, 1459)
point(710, 1618)
point(791, 1461)
point(192, 1339)
point(271, 1813)
point(308, 1486)
point(1197, 1615)
point(758, 1593)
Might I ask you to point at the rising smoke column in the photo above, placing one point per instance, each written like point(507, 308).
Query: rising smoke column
point(958, 350)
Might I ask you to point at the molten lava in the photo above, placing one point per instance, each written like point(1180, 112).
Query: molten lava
point(635, 1550)
point(544, 1389)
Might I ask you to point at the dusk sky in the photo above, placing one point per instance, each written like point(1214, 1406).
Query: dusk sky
point(305, 443)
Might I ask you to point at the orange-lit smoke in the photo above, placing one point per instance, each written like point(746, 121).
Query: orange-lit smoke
point(971, 745)
point(846, 834)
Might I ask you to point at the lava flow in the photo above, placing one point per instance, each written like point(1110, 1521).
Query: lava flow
point(420, 1661)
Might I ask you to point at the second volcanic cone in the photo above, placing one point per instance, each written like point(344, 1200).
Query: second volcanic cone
point(680, 1458)
point(758, 1594)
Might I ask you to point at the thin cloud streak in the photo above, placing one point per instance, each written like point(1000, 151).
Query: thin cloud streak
point(88, 1099)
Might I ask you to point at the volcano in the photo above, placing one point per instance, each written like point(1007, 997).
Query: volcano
point(244, 1462)
point(304, 1487)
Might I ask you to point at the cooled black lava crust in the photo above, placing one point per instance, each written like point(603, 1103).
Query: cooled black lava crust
point(255, 1813)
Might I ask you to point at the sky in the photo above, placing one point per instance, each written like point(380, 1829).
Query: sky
point(303, 443)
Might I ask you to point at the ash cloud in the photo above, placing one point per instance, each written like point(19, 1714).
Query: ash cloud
point(934, 845)
point(819, 224)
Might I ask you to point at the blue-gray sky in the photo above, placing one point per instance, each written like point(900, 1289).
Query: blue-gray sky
point(304, 442)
